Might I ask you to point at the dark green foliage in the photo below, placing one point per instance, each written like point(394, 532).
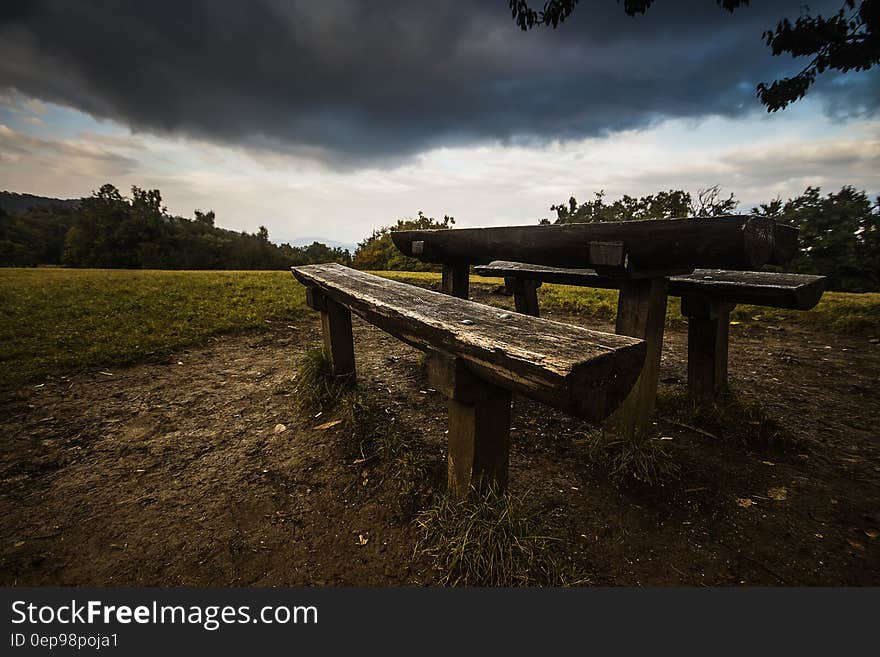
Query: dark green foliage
point(111, 231)
point(671, 204)
point(839, 236)
point(15, 203)
point(35, 236)
point(555, 12)
point(848, 40)
point(489, 540)
point(378, 252)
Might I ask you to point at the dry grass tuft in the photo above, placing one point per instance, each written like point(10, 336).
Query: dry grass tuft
point(488, 540)
point(644, 461)
point(316, 389)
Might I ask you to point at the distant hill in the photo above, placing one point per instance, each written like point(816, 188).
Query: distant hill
point(14, 202)
point(111, 231)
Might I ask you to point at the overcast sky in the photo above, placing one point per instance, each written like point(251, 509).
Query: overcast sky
point(329, 119)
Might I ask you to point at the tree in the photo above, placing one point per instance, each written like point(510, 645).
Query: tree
point(671, 204)
point(33, 235)
point(844, 42)
point(838, 235)
point(378, 252)
point(849, 40)
point(113, 231)
point(205, 218)
point(710, 203)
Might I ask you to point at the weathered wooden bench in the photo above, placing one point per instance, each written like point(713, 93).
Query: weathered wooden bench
point(478, 356)
point(707, 297)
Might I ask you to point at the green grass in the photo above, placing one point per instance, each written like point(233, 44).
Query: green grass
point(59, 320)
point(841, 312)
point(423, 277)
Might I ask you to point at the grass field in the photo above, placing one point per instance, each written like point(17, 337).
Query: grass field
point(59, 320)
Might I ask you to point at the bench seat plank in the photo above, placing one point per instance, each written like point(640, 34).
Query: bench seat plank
point(776, 290)
point(758, 288)
point(586, 373)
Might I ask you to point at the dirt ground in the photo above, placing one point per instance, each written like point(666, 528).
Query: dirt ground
point(177, 474)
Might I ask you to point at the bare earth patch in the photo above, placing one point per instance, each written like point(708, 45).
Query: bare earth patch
point(178, 474)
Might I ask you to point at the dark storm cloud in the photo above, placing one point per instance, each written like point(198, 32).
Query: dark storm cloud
point(355, 82)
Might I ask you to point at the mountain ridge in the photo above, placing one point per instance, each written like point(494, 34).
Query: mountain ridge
point(14, 202)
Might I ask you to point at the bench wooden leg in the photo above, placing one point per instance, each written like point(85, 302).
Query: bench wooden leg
point(708, 332)
point(456, 280)
point(525, 294)
point(641, 313)
point(479, 427)
point(336, 328)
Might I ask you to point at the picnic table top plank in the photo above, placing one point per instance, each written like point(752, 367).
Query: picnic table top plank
point(651, 248)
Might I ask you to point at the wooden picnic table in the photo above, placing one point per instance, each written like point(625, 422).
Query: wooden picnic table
point(639, 255)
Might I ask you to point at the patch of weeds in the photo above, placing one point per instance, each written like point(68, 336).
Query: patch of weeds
point(362, 418)
point(643, 461)
point(488, 540)
point(732, 417)
point(411, 479)
point(380, 436)
point(316, 388)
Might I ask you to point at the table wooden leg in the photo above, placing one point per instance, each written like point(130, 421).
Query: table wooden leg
point(455, 280)
point(708, 334)
point(525, 294)
point(641, 313)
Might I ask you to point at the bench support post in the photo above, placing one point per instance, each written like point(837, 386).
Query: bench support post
point(455, 280)
point(479, 427)
point(708, 329)
point(641, 313)
point(336, 329)
point(525, 294)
